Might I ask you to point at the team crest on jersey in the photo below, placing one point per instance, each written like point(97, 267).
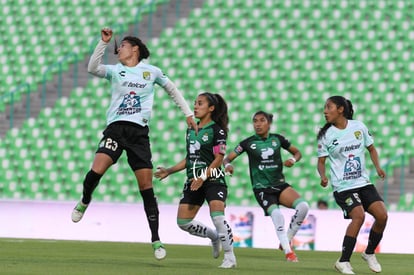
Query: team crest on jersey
point(205, 137)
point(146, 75)
point(274, 143)
point(358, 135)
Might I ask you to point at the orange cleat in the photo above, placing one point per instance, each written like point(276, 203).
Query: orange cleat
point(291, 257)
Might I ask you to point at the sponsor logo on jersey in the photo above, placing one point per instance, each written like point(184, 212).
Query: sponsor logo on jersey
point(131, 104)
point(267, 152)
point(194, 146)
point(349, 148)
point(122, 73)
point(353, 168)
point(130, 84)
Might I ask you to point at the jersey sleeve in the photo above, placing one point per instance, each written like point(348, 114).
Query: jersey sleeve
point(94, 66)
point(322, 148)
point(163, 80)
point(219, 142)
point(368, 139)
point(241, 147)
point(284, 143)
point(160, 78)
point(109, 71)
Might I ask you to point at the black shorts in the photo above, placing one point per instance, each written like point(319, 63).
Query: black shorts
point(208, 191)
point(349, 199)
point(269, 196)
point(128, 136)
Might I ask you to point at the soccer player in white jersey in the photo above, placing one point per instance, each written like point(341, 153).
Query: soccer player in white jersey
point(343, 141)
point(132, 95)
point(205, 178)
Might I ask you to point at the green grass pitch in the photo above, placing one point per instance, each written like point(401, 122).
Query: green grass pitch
point(80, 257)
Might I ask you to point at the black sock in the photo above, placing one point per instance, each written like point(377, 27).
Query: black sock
point(89, 184)
point(151, 210)
point(373, 241)
point(348, 246)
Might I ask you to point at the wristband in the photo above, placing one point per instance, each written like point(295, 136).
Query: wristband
point(293, 159)
point(203, 177)
point(227, 164)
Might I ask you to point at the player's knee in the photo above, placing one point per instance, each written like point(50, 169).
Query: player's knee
point(358, 219)
point(186, 225)
point(381, 220)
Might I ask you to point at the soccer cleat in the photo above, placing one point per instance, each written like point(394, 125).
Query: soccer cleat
point(344, 267)
point(291, 257)
point(372, 262)
point(229, 262)
point(159, 250)
point(78, 211)
point(216, 248)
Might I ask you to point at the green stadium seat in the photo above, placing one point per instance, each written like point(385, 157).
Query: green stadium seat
point(287, 66)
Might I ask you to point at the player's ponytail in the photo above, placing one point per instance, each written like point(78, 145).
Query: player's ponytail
point(220, 113)
point(115, 46)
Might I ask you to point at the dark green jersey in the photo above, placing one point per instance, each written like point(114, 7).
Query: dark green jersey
point(265, 161)
point(211, 139)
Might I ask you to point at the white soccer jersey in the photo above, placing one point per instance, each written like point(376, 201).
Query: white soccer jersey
point(132, 92)
point(132, 88)
point(345, 149)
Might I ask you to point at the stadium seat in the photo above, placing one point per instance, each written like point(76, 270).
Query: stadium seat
point(285, 57)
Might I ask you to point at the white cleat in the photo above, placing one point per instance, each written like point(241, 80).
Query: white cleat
point(344, 267)
point(373, 264)
point(78, 211)
point(159, 250)
point(229, 262)
point(216, 248)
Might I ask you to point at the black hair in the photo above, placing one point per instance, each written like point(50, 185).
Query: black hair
point(322, 202)
point(268, 116)
point(135, 41)
point(220, 113)
point(339, 101)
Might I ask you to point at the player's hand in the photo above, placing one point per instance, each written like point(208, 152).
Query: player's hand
point(381, 173)
point(324, 181)
point(106, 34)
point(229, 169)
point(161, 173)
point(288, 163)
point(192, 124)
point(196, 183)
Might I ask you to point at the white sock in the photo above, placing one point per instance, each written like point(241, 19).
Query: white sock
point(196, 228)
point(302, 209)
point(225, 233)
point(279, 223)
